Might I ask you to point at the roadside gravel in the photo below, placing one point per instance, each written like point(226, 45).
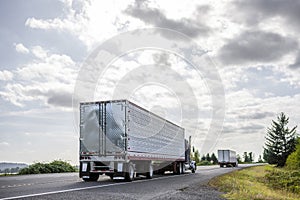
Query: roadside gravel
point(194, 192)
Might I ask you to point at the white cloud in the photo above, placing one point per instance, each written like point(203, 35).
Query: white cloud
point(20, 48)
point(88, 21)
point(39, 52)
point(45, 24)
point(4, 144)
point(6, 75)
point(49, 78)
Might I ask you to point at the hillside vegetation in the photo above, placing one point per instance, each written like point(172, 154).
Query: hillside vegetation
point(260, 182)
point(56, 166)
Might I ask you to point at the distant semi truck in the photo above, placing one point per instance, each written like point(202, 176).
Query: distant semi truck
point(227, 158)
point(122, 140)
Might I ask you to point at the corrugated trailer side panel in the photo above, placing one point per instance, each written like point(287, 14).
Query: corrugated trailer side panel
point(232, 157)
point(150, 136)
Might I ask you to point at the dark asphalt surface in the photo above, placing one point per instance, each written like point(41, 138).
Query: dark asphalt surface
point(70, 186)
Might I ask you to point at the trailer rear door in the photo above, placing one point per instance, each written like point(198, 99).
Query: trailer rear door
point(102, 128)
point(89, 128)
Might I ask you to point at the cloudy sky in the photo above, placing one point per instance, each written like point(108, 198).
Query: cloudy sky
point(44, 45)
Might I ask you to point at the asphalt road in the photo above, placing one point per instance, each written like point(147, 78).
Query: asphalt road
point(70, 186)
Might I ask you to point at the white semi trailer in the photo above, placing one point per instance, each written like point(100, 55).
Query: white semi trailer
point(227, 158)
point(120, 139)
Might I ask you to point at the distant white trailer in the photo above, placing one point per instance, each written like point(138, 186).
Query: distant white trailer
point(227, 158)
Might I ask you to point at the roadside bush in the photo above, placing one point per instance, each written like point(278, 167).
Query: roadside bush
point(56, 166)
point(283, 179)
point(253, 183)
point(293, 161)
point(205, 162)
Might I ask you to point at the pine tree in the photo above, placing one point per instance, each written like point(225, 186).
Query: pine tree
point(203, 158)
point(196, 156)
point(250, 157)
point(280, 141)
point(246, 158)
point(238, 157)
point(208, 158)
point(214, 158)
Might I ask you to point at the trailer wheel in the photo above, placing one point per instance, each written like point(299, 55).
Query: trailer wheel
point(111, 176)
point(93, 177)
point(149, 174)
point(129, 174)
point(180, 168)
point(177, 168)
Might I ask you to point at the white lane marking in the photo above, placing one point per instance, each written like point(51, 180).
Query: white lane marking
point(87, 188)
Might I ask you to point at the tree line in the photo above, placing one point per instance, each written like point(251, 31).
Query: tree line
point(207, 159)
point(10, 170)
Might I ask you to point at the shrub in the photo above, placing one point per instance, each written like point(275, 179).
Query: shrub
point(293, 161)
point(205, 162)
point(284, 180)
point(56, 166)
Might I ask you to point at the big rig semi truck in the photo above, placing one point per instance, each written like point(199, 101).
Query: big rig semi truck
point(121, 139)
point(227, 158)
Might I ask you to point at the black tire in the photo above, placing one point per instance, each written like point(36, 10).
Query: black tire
point(160, 172)
point(129, 174)
point(176, 168)
point(93, 177)
point(183, 168)
point(111, 176)
point(180, 168)
point(149, 173)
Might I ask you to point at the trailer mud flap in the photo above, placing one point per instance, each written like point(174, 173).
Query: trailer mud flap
point(84, 167)
point(120, 167)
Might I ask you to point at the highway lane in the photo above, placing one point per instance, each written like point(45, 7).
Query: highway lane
point(69, 185)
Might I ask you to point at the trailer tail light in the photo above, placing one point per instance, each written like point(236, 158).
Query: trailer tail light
point(119, 157)
point(85, 158)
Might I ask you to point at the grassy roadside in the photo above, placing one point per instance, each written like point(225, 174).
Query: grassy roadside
point(251, 183)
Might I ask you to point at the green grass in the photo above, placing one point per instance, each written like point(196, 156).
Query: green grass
point(253, 183)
